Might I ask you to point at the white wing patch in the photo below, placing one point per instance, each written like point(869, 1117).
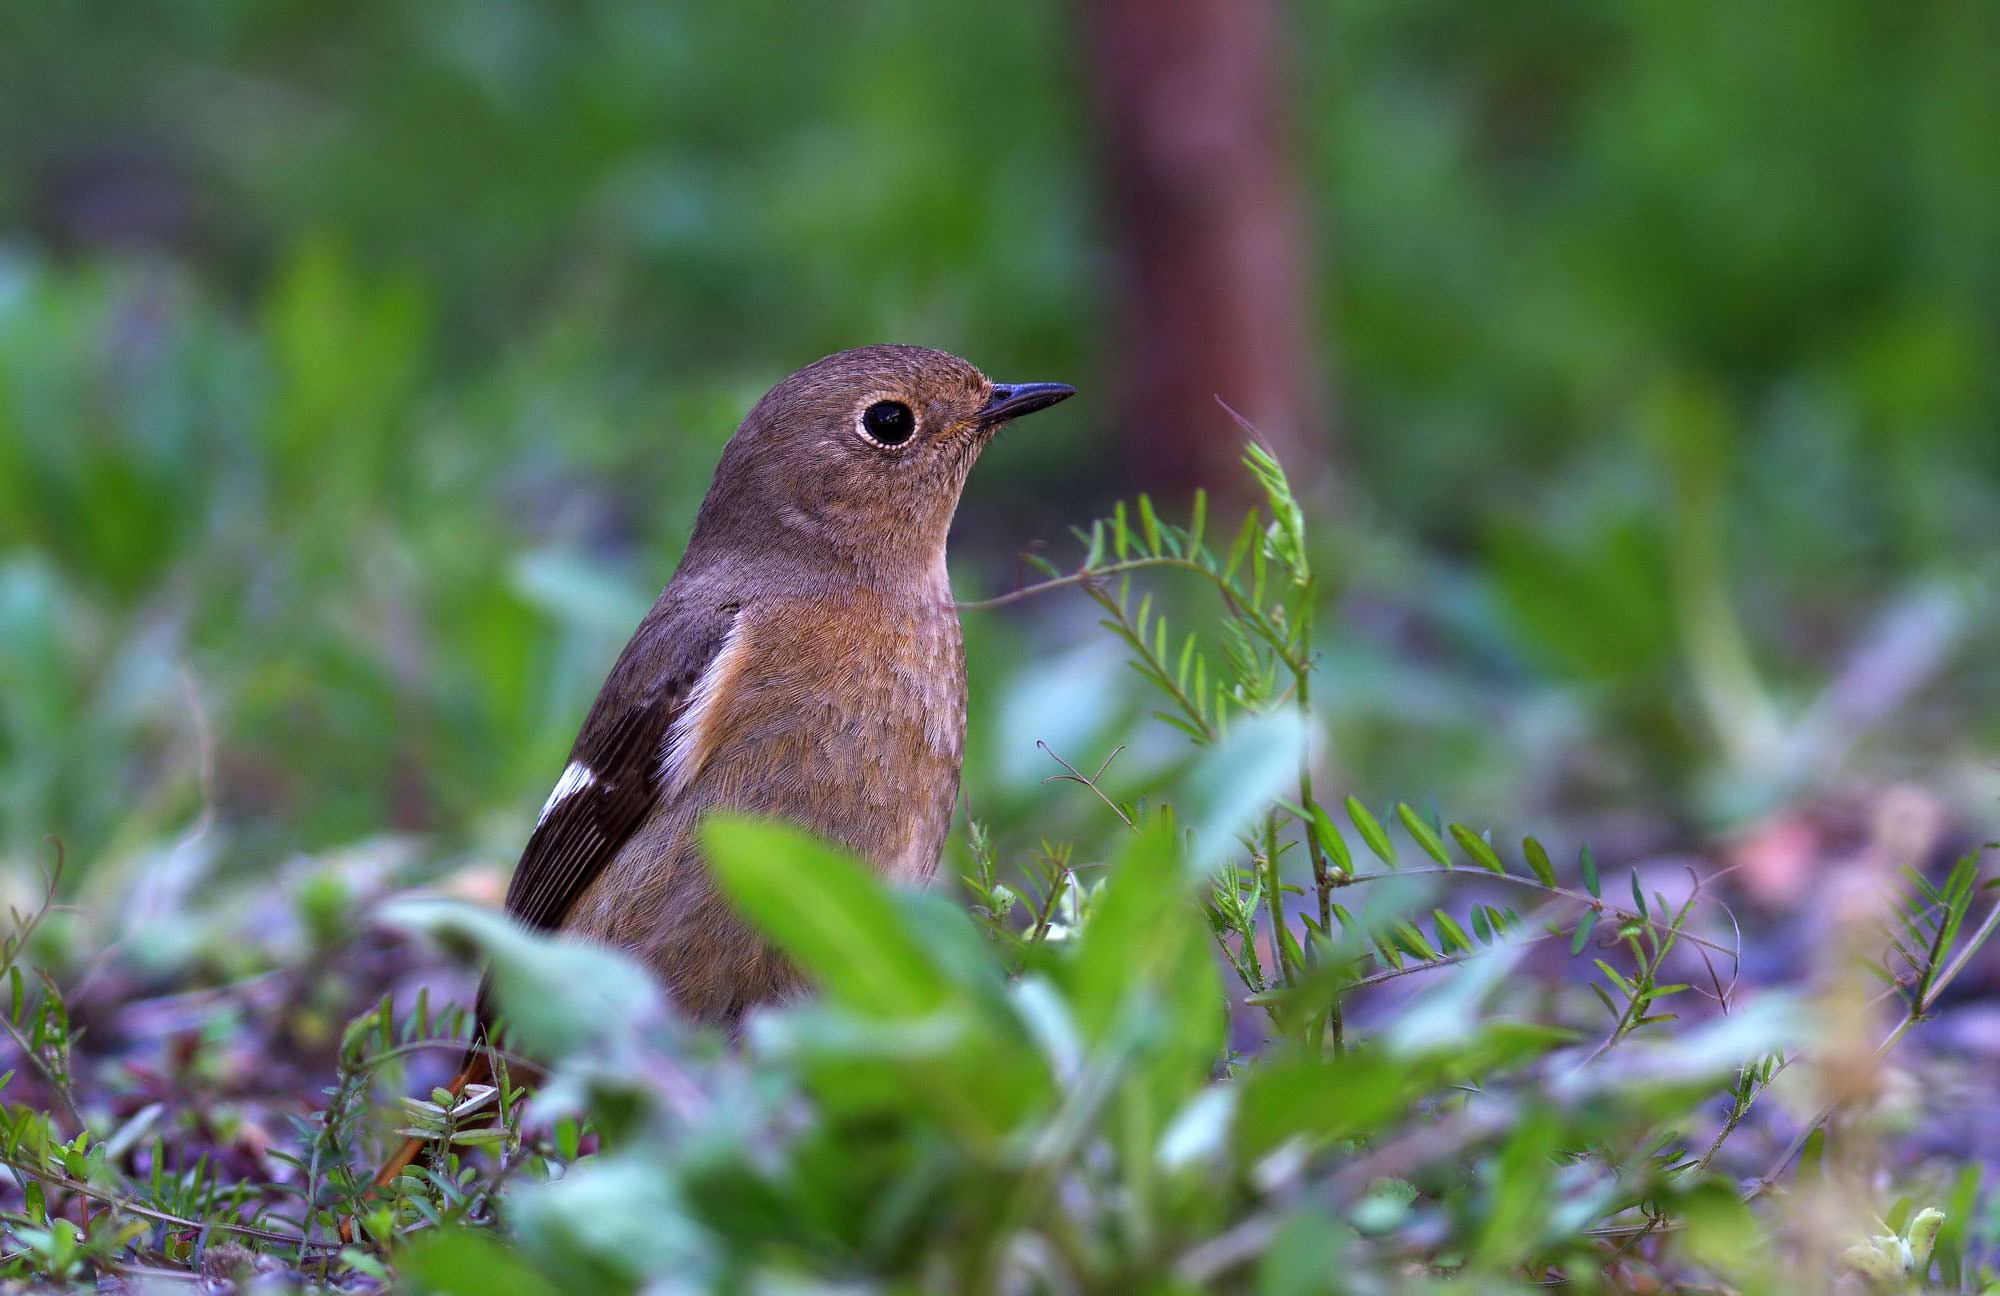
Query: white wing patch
point(576, 776)
point(692, 735)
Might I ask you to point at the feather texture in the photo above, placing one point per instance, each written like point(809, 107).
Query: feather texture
point(619, 751)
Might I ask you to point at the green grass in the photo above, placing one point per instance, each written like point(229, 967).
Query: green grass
point(1230, 1037)
point(360, 370)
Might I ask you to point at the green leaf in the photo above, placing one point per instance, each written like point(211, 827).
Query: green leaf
point(1423, 834)
point(558, 996)
point(1199, 1134)
point(1583, 930)
point(1307, 1246)
point(1145, 991)
point(1812, 1156)
point(1239, 549)
point(1720, 1230)
point(1450, 935)
point(1411, 940)
point(1518, 1203)
point(1952, 1238)
point(826, 911)
point(1371, 832)
point(1331, 840)
point(1319, 1099)
point(1149, 521)
point(1286, 536)
point(1141, 925)
point(1237, 778)
point(617, 1213)
point(1538, 860)
point(1587, 862)
point(479, 1137)
point(1478, 848)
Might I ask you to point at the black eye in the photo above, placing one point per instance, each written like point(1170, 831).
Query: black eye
point(889, 422)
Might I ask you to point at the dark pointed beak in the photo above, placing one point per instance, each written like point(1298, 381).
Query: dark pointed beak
point(1012, 400)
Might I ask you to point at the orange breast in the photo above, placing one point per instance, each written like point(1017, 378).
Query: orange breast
point(845, 718)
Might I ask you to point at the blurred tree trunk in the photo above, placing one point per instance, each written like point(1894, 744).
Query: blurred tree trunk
point(1215, 287)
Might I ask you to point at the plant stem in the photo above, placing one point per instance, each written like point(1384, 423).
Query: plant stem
point(1322, 866)
point(1274, 896)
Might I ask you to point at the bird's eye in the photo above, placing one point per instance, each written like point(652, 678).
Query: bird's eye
point(889, 422)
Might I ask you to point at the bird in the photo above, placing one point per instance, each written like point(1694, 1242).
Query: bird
point(804, 663)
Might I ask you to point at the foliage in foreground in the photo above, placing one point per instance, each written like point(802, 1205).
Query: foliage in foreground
point(1065, 1088)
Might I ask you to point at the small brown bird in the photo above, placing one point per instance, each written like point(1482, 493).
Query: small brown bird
point(803, 663)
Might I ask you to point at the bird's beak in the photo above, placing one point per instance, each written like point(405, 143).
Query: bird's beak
point(1012, 400)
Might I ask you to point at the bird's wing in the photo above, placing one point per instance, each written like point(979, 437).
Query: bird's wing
point(615, 773)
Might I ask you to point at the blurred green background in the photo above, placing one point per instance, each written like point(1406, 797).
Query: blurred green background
point(361, 366)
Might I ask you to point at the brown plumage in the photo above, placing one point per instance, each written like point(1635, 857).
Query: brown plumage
point(803, 663)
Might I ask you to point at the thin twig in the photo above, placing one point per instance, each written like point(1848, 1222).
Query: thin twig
point(1090, 781)
point(1081, 576)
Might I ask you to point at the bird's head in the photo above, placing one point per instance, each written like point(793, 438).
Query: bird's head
point(859, 459)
